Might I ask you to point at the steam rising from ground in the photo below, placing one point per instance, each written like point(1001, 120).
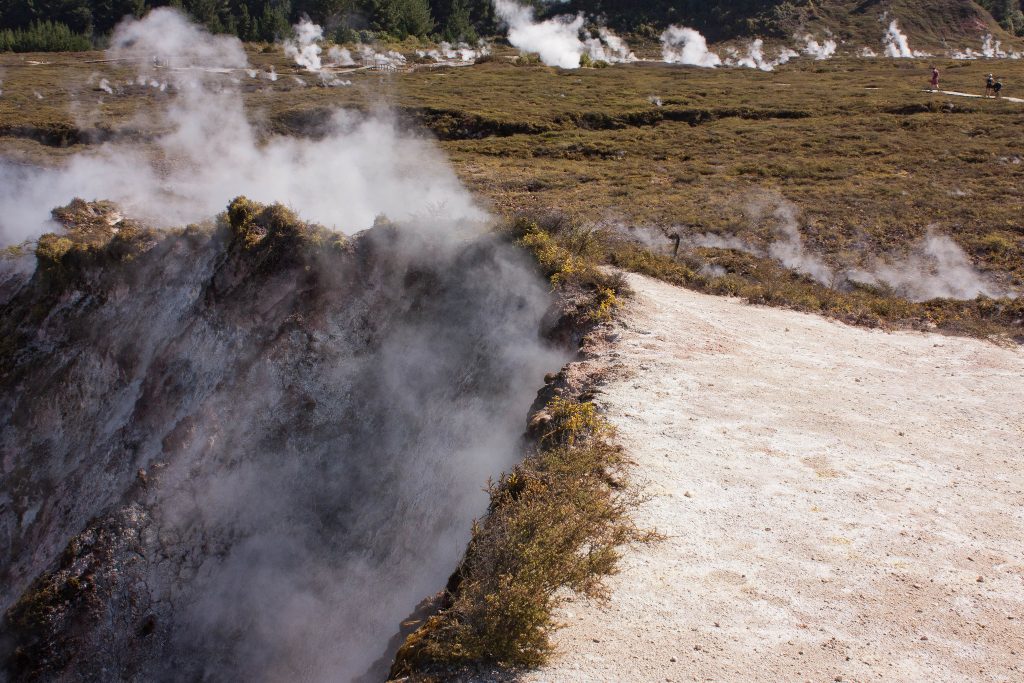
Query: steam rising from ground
point(557, 40)
point(990, 49)
point(934, 267)
point(897, 45)
point(326, 430)
point(304, 45)
point(682, 45)
point(756, 59)
point(823, 50)
point(164, 37)
point(457, 53)
point(211, 153)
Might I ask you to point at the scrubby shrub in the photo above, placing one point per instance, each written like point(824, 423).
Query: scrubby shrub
point(528, 59)
point(555, 521)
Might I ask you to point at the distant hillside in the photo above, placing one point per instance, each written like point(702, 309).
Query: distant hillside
point(928, 23)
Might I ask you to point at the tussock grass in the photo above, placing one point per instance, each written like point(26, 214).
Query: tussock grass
point(556, 521)
point(570, 256)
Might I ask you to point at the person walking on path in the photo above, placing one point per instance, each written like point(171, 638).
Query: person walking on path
point(990, 85)
point(935, 78)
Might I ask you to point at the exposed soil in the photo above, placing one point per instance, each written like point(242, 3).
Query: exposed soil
point(838, 503)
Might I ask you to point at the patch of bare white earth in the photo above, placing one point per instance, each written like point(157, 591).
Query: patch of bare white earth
point(838, 503)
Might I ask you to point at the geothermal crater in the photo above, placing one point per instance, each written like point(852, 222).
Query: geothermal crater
point(248, 449)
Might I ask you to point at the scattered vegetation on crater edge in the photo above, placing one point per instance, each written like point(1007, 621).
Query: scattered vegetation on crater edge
point(556, 521)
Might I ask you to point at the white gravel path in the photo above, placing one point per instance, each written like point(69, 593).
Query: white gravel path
point(840, 503)
point(967, 94)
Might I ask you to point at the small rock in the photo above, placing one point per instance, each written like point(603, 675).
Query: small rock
point(687, 494)
point(696, 647)
point(671, 659)
point(981, 579)
point(597, 640)
point(924, 637)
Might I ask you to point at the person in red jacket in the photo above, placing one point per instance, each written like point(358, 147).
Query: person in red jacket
point(935, 78)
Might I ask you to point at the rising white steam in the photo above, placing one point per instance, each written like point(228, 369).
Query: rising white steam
point(788, 247)
point(304, 45)
point(325, 455)
point(210, 153)
point(756, 59)
point(682, 45)
point(165, 39)
point(934, 267)
point(556, 40)
point(990, 49)
point(608, 47)
point(460, 53)
point(897, 45)
point(823, 50)
point(339, 56)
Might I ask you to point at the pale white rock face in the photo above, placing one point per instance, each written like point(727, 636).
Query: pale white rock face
point(836, 501)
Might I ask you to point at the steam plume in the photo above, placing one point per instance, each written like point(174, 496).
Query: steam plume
point(459, 53)
point(557, 40)
point(608, 47)
point(681, 45)
point(340, 56)
point(304, 45)
point(934, 267)
point(324, 456)
point(823, 50)
point(364, 167)
point(896, 44)
point(755, 57)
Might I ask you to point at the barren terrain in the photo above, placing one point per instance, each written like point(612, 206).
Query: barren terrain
point(838, 503)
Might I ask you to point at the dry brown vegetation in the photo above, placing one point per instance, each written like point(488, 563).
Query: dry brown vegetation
point(869, 160)
point(556, 521)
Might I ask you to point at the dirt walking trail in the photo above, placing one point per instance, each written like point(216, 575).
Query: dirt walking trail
point(839, 503)
point(967, 94)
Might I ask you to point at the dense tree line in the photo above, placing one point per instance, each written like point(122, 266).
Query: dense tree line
point(65, 24)
point(43, 36)
point(265, 20)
